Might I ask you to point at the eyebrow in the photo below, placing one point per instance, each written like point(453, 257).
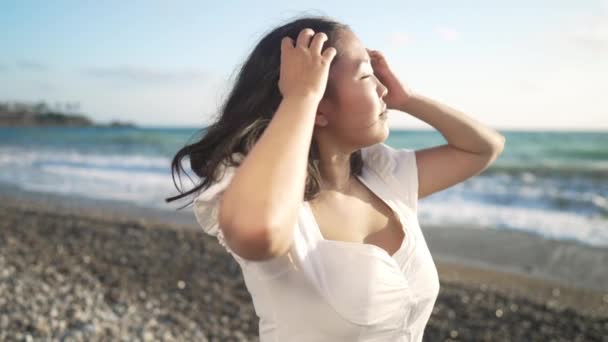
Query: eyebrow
point(360, 63)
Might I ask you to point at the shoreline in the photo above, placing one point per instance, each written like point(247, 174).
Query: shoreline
point(566, 263)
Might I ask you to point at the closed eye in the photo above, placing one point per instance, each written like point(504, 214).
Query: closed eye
point(366, 76)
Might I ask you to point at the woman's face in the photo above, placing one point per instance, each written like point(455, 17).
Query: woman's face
point(352, 112)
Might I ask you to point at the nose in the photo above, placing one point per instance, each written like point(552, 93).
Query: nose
point(383, 89)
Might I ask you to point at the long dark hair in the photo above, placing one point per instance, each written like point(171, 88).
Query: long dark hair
point(249, 108)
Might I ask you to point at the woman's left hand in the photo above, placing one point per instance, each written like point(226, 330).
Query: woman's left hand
point(398, 93)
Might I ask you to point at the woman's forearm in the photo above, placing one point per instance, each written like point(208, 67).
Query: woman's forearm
point(460, 130)
point(260, 206)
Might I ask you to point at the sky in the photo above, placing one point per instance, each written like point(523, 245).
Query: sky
point(516, 65)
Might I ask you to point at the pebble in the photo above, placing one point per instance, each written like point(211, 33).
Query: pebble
point(499, 313)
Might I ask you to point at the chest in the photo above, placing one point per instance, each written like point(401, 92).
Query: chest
point(360, 218)
point(345, 290)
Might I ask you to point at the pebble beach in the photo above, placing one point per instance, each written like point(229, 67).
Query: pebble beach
point(71, 274)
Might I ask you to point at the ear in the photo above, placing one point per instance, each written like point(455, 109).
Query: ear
point(321, 117)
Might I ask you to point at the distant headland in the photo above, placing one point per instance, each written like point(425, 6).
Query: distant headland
point(23, 114)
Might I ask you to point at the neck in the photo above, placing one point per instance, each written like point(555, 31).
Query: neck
point(335, 174)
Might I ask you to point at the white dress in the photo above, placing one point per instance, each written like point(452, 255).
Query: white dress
point(329, 290)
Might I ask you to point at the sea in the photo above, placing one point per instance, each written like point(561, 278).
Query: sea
point(553, 184)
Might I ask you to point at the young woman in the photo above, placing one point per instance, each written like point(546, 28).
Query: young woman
point(301, 190)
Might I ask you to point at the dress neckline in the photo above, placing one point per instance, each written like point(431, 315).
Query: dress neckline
point(407, 239)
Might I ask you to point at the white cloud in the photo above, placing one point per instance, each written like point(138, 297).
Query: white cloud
point(591, 34)
point(31, 65)
point(448, 34)
point(147, 74)
point(578, 34)
point(399, 39)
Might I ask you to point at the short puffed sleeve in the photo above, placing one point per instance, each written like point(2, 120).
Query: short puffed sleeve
point(399, 166)
point(206, 209)
point(406, 172)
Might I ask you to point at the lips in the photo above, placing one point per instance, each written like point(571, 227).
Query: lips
point(384, 110)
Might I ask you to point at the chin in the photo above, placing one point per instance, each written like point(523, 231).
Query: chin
point(384, 133)
point(378, 137)
point(382, 139)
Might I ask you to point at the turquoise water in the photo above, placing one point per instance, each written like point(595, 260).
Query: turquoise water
point(550, 183)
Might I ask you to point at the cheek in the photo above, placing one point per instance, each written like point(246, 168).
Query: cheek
point(355, 105)
point(355, 97)
point(361, 105)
